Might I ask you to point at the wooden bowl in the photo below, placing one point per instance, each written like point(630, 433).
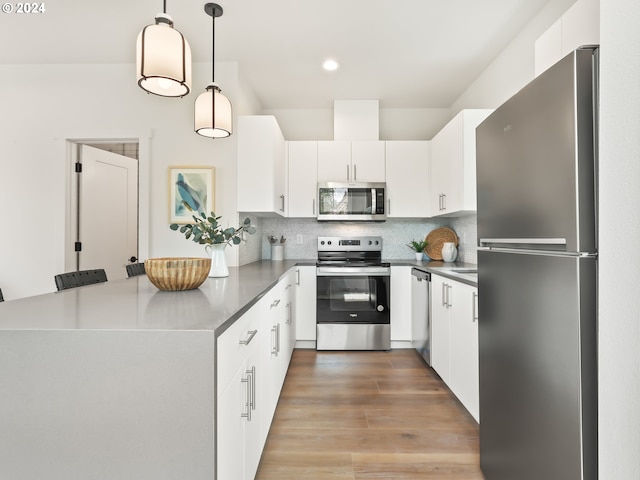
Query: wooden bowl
point(177, 273)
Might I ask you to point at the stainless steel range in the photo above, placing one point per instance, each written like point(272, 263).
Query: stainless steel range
point(353, 285)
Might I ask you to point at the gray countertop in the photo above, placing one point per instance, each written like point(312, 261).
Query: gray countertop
point(444, 269)
point(135, 304)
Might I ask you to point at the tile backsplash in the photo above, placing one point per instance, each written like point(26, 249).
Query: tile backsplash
point(395, 233)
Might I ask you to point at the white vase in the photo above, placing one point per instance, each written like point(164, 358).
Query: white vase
point(218, 260)
point(449, 252)
point(419, 256)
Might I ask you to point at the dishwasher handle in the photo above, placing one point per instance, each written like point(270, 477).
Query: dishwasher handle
point(421, 274)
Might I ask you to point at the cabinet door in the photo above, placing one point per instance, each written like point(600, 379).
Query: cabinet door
point(260, 156)
point(368, 161)
point(439, 179)
point(280, 174)
point(453, 164)
point(232, 403)
point(440, 326)
point(408, 182)
point(400, 304)
point(464, 381)
point(303, 179)
point(334, 161)
point(288, 339)
point(253, 439)
point(306, 303)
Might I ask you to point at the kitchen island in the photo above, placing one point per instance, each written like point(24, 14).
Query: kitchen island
point(117, 380)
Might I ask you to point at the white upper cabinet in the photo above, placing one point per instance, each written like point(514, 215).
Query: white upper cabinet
point(407, 177)
point(358, 161)
point(453, 164)
point(368, 161)
point(303, 178)
point(262, 174)
point(580, 25)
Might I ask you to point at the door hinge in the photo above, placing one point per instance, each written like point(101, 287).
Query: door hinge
point(78, 167)
point(78, 246)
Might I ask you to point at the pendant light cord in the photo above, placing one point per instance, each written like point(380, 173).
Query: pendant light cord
point(164, 6)
point(213, 47)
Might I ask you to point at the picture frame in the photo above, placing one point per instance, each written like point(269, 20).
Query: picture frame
point(194, 185)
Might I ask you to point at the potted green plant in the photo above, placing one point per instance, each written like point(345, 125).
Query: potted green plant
point(207, 231)
point(418, 247)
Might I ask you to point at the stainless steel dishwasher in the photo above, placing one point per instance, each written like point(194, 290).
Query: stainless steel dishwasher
point(420, 312)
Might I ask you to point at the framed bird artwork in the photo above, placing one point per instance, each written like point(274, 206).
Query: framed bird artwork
point(192, 186)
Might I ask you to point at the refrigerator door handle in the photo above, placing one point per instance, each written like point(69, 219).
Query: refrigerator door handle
point(487, 242)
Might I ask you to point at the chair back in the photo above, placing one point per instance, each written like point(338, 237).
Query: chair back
point(134, 269)
point(80, 278)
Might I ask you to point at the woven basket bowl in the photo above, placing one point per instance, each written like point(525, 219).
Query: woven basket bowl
point(177, 273)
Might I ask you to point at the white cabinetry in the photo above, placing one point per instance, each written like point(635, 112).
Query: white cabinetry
point(303, 179)
point(277, 345)
point(341, 161)
point(400, 307)
point(305, 306)
point(463, 368)
point(262, 173)
point(580, 25)
point(252, 360)
point(453, 164)
point(454, 339)
point(407, 177)
point(239, 399)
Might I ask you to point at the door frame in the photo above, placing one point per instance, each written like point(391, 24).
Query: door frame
point(71, 191)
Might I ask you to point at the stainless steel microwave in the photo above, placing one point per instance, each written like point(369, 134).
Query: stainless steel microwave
point(355, 202)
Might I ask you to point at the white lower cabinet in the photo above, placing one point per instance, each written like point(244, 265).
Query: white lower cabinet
point(240, 408)
point(305, 305)
point(454, 334)
point(400, 304)
point(252, 360)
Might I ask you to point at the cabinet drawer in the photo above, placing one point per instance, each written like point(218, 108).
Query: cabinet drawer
point(235, 344)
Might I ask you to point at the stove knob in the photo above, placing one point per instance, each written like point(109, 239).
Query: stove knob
point(377, 242)
point(329, 242)
point(380, 308)
point(321, 242)
point(370, 242)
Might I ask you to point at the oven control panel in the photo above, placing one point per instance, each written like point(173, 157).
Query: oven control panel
point(349, 243)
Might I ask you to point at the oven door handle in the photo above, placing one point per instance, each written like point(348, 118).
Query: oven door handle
point(353, 271)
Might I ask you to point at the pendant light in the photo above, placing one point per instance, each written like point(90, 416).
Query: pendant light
point(213, 114)
point(163, 58)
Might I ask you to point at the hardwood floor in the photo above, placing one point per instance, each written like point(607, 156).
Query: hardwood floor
point(368, 415)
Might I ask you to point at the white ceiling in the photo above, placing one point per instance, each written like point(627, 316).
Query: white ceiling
point(405, 53)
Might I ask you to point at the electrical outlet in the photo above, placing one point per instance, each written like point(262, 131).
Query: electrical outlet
point(299, 239)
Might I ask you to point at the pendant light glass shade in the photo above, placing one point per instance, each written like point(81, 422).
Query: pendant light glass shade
point(163, 59)
point(213, 113)
point(213, 116)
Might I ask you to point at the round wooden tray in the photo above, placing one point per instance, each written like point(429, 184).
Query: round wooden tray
point(436, 238)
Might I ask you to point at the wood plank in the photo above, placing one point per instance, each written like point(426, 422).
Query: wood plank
point(417, 466)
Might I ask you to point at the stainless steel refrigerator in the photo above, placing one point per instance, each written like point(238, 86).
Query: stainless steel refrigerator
point(537, 266)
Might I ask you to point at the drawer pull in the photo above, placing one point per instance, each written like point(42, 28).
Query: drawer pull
point(252, 333)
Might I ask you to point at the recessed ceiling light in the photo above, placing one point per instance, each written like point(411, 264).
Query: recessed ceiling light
point(330, 65)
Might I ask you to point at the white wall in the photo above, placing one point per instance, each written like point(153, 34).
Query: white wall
point(42, 106)
point(619, 299)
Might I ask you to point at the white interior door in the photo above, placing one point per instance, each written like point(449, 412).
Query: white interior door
point(108, 211)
